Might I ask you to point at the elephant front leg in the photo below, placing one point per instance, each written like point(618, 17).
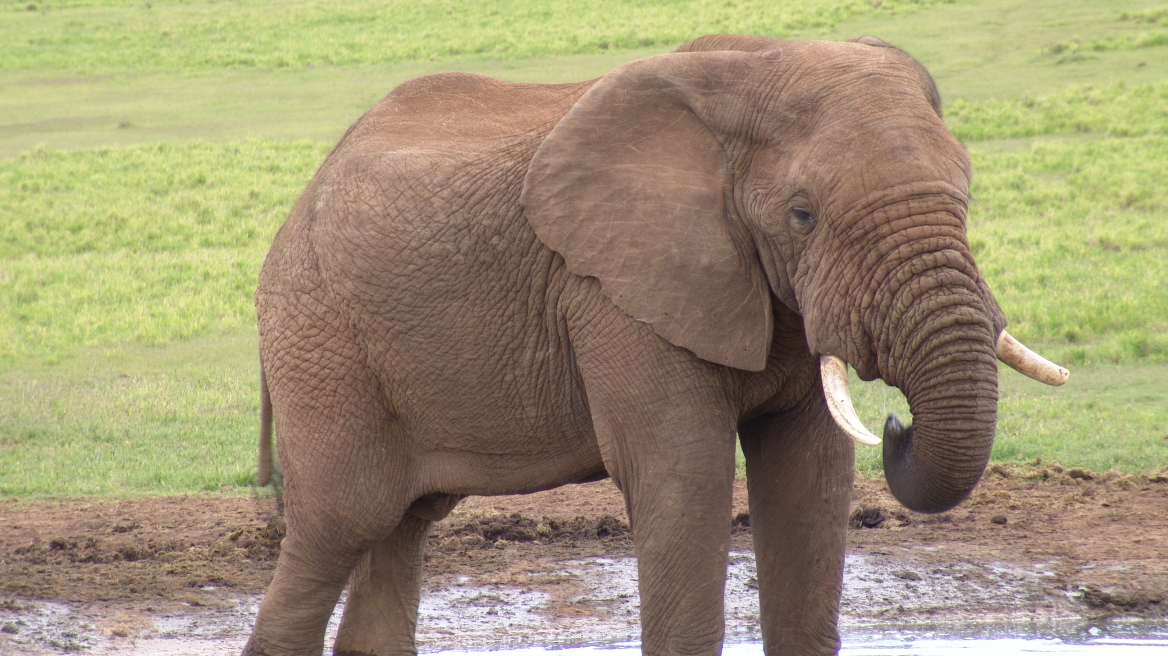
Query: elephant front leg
point(799, 477)
point(676, 471)
point(665, 422)
point(681, 528)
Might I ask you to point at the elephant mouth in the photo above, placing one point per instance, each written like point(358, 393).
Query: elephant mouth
point(834, 377)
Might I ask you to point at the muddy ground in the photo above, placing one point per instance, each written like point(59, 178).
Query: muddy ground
point(1041, 547)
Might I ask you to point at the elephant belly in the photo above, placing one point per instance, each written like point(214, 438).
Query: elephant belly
point(511, 423)
point(488, 394)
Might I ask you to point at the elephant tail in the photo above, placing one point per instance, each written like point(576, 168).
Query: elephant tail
point(264, 475)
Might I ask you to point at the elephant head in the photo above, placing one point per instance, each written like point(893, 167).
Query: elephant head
point(702, 187)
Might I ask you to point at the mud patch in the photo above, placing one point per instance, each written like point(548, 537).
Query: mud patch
point(896, 604)
point(1124, 599)
point(495, 531)
point(109, 576)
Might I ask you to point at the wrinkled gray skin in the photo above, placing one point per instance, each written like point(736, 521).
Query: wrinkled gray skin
point(495, 288)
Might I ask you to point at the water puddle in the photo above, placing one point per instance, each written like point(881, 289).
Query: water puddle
point(908, 646)
point(903, 603)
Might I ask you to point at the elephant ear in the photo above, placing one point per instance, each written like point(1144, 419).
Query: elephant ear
point(631, 188)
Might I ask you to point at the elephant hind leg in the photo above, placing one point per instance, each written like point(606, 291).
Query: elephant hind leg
point(381, 614)
point(335, 517)
point(433, 507)
point(350, 474)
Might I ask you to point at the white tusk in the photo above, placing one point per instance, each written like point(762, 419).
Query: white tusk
point(1027, 362)
point(834, 373)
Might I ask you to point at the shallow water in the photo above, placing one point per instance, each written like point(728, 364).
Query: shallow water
point(205, 636)
point(881, 594)
point(891, 606)
point(888, 646)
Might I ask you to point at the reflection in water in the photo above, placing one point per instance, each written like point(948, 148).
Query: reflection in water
point(890, 646)
point(891, 605)
point(939, 610)
point(997, 647)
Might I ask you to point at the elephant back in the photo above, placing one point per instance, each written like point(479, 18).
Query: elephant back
point(462, 112)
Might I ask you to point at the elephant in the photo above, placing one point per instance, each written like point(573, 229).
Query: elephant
point(497, 288)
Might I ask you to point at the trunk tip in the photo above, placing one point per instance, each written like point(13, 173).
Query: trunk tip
point(897, 439)
point(918, 491)
point(893, 425)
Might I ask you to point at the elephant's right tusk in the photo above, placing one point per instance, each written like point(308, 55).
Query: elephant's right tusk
point(1027, 362)
point(834, 375)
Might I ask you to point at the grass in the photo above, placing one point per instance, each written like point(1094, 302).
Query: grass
point(130, 239)
point(999, 57)
point(87, 74)
point(1003, 49)
point(1106, 417)
point(1073, 239)
point(1117, 110)
point(146, 244)
point(102, 38)
point(128, 421)
point(315, 104)
point(1150, 30)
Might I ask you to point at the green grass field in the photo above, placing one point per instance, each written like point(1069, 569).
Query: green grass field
point(149, 153)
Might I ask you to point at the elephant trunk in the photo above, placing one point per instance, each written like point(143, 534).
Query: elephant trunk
point(951, 383)
point(925, 322)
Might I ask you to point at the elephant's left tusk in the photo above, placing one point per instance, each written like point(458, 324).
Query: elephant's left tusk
point(1027, 362)
point(833, 372)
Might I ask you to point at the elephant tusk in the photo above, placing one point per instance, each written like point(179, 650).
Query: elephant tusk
point(1027, 362)
point(834, 374)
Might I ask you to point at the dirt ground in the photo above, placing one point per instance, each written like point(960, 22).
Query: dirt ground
point(1037, 543)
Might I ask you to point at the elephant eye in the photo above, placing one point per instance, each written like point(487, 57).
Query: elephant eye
point(802, 220)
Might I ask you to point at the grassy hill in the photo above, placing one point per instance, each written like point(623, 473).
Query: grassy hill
point(149, 151)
